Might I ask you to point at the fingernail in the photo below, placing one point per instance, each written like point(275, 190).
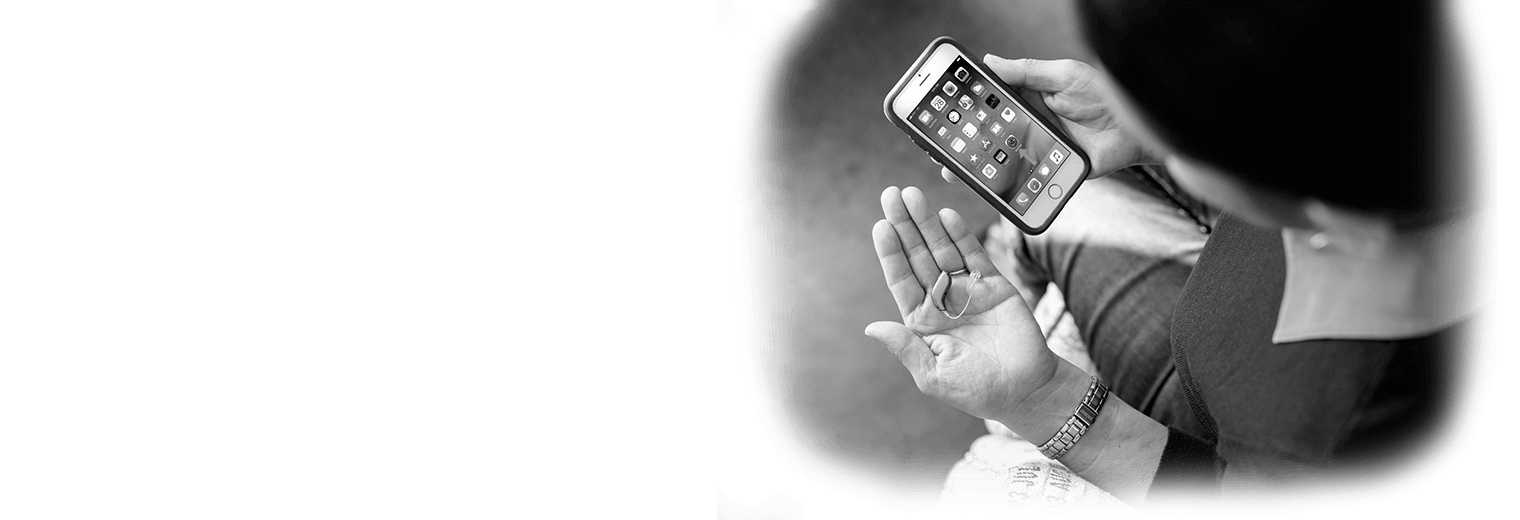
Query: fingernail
point(990, 57)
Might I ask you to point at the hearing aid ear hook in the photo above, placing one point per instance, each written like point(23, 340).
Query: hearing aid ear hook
point(940, 293)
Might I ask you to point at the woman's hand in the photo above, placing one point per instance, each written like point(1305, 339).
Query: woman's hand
point(991, 359)
point(993, 362)
point(1083, 109)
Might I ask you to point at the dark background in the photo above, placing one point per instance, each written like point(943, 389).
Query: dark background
point(829, 154)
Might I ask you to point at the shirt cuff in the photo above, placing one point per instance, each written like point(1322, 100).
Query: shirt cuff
point(1188, 465)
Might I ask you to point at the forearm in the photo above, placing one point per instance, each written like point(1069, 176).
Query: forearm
point(1119, 452)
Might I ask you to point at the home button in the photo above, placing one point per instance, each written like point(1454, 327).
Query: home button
point(1054, 190)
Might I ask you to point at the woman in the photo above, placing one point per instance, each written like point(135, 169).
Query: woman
point(1310, 327)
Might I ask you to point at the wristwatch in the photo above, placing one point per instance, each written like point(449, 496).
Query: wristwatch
point(1076, 425)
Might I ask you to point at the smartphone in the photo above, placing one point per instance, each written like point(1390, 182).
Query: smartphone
point(970, 122)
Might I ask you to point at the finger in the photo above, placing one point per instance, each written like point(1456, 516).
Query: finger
point(945, 254)
point(894, 265)
point(1040, 75)
point(949, 175)
point(1039, 101)
point(910, 349)
point(971, 249)
point(924, 268)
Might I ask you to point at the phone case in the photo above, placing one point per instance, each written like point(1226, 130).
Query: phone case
point(966, 177)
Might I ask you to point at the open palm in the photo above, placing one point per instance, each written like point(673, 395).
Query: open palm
point(990, 358)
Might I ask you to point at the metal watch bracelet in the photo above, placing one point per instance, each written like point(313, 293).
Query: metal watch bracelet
point(1077, 424)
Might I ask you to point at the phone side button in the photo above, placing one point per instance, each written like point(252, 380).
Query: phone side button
point(1054, 190)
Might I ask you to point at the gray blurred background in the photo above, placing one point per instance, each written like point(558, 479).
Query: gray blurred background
point(829, 153)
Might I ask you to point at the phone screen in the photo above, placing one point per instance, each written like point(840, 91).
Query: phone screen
point(989, 135)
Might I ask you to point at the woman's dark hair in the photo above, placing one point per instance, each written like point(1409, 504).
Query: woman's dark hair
point(1340, 101)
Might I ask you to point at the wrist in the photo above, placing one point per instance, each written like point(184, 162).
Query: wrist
point(1045, 410)
point(1152, 156)
point(1120, 451)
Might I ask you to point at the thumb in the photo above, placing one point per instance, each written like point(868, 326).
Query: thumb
point(1038, 75)
point(949, 175)
point(906, 345)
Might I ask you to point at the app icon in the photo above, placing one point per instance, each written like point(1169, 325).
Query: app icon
point(958, 144)
point(1022, 199)
point(998, 156)
point(975, 159)
point(1034, 185)
point(969, 130)
point(1008, 114)
point(1044, 170)
point(978, 88)
point(961, 74)
point(949, 89)
point(953, 116)
point(925, 118)
point(938, 103)
point(1056, 156)
point(989, 171)
point(996, 129)
point(1012, 142)
point(992, 101)
point(981, 115)
point(965, 102)
point(986, 143)
point(942, 131)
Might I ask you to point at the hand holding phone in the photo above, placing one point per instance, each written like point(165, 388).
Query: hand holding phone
point(1082, 108)
point(968, 121)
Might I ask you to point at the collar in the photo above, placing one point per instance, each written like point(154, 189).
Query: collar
point(1420, 286)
